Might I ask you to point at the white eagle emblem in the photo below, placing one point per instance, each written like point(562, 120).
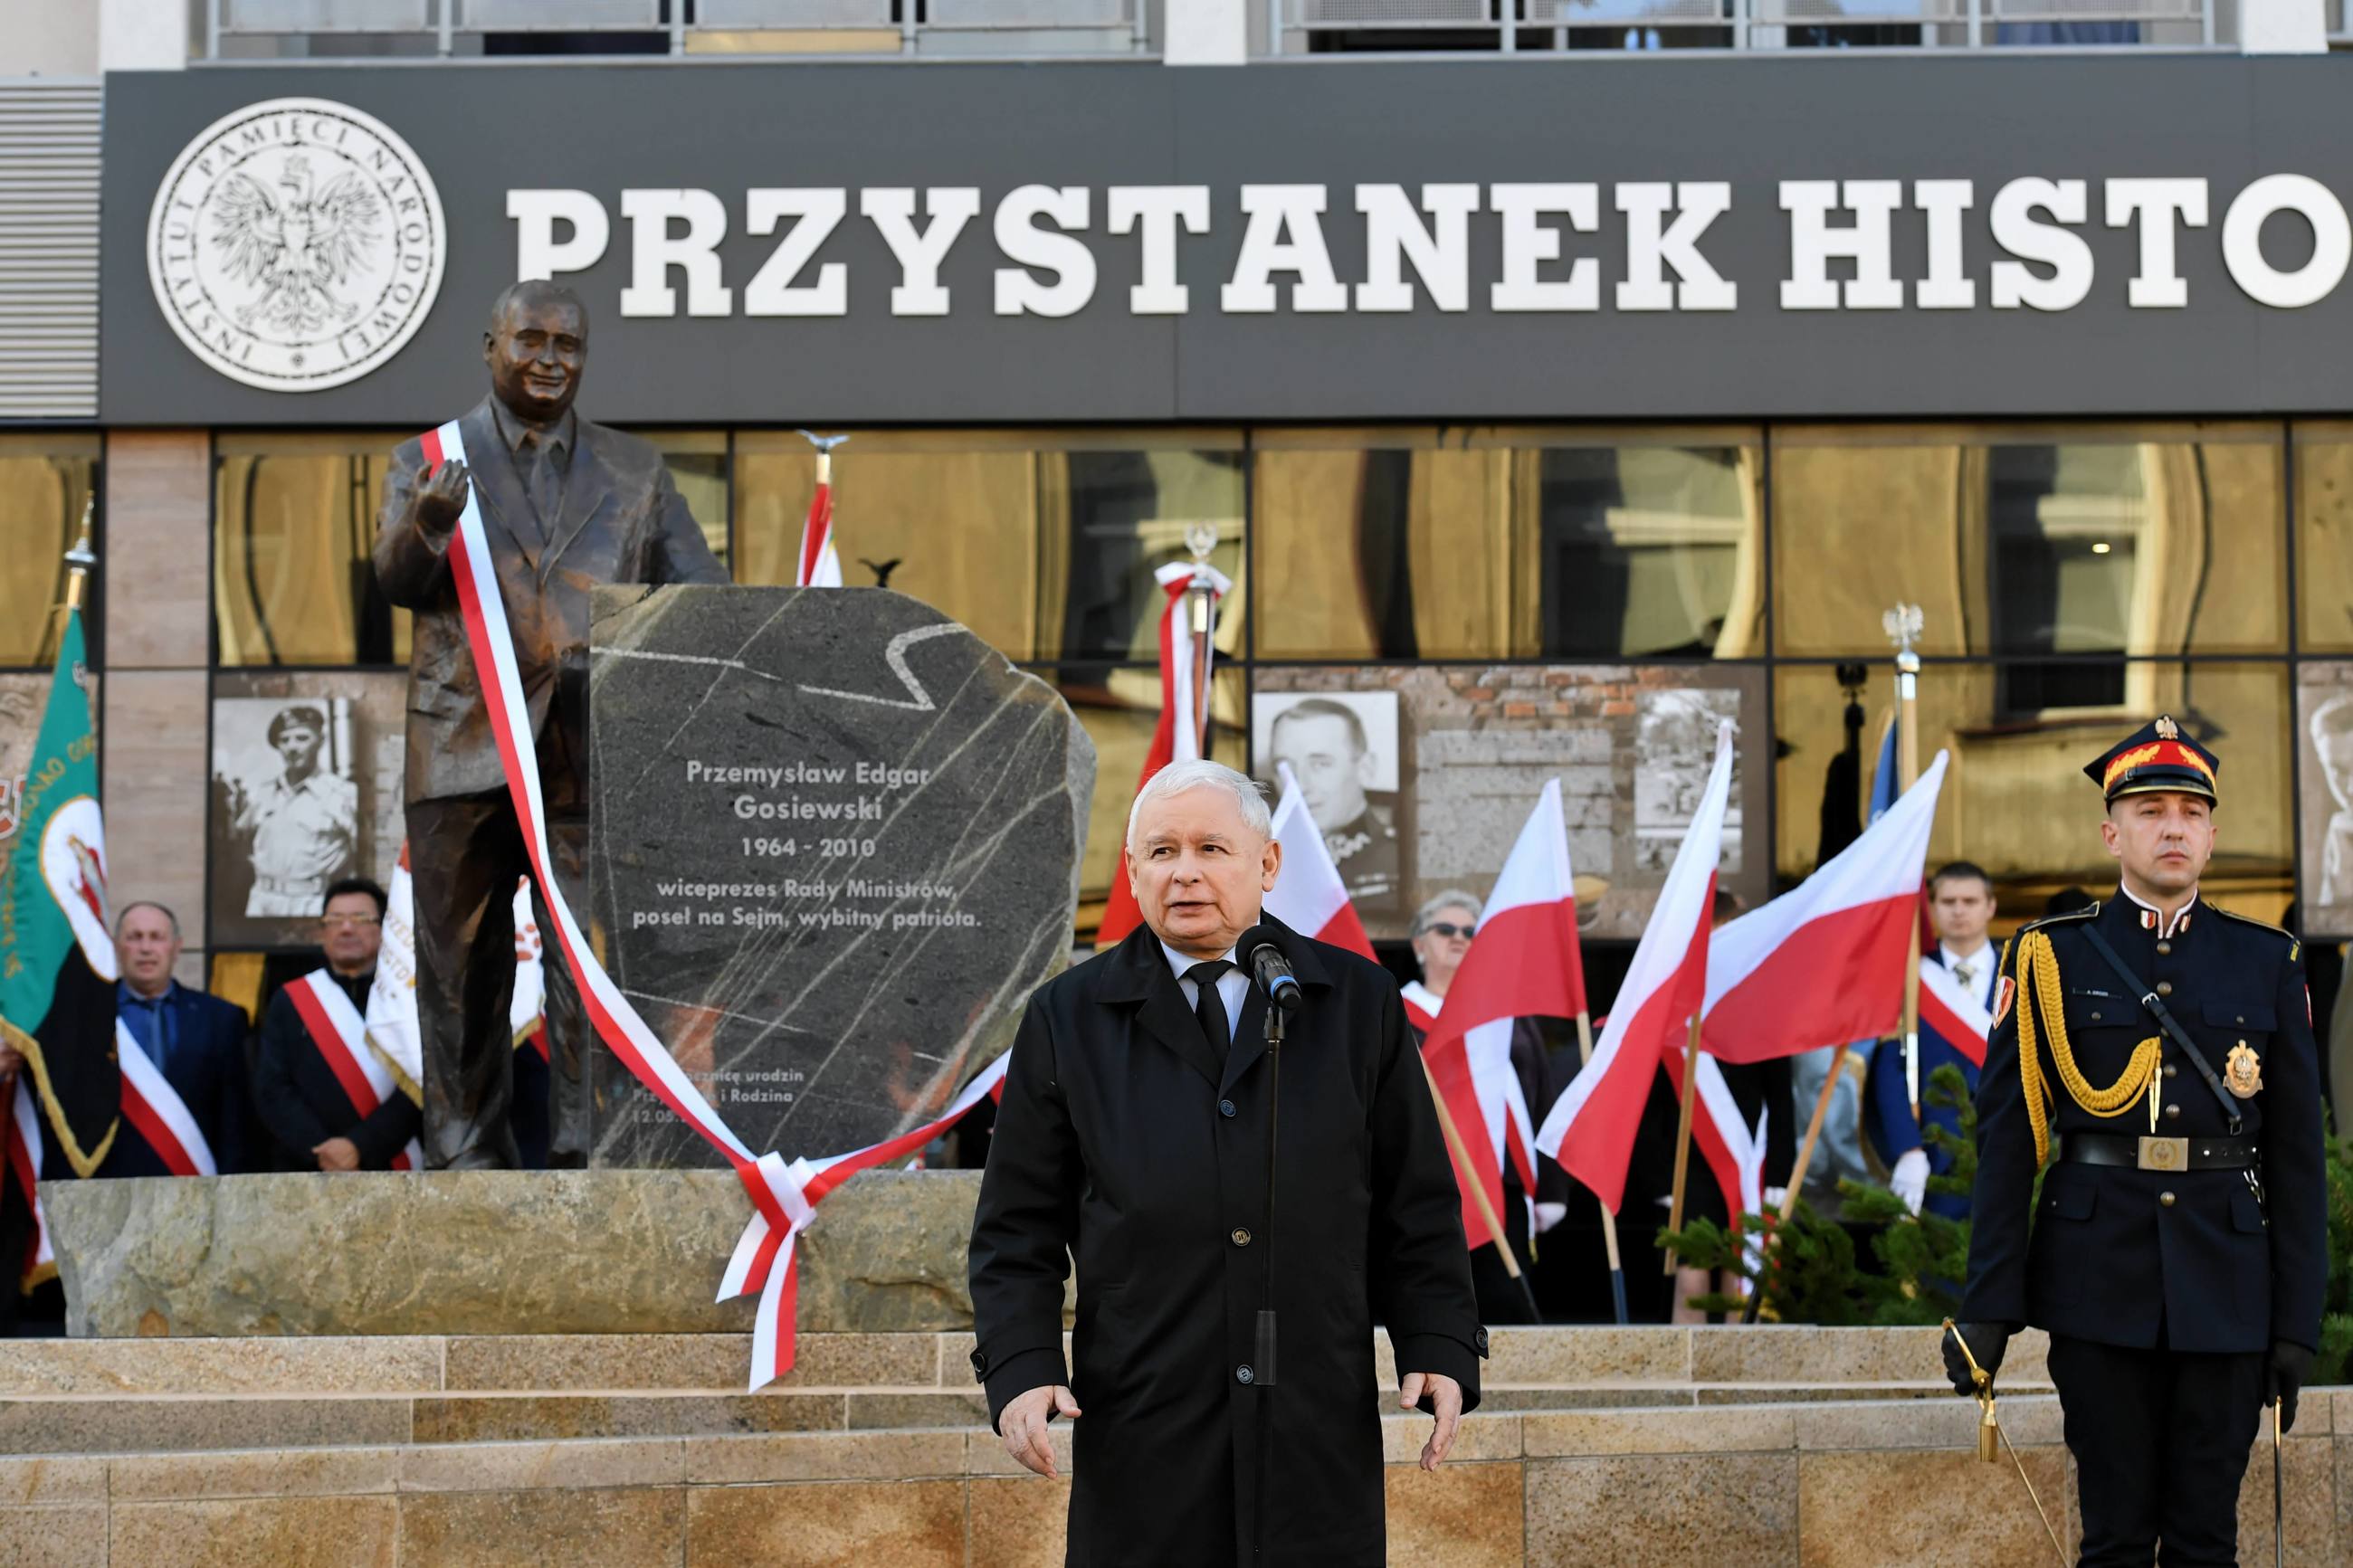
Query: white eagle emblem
point(296, 245)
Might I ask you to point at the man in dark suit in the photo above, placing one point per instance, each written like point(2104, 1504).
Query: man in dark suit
point(567, 506)
point(2158, 1048)
point(1133, 1133)
point(195, 1041)
point(302, 1095)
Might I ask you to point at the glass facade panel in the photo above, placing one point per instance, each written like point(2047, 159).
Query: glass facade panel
point(1382, 544)
point(2324, 536)
point(44, 481)
point(1519, 544)
point(1635, 549)
point(2015, 800)
point(2040, 544)
point(1044, 543)
point(293, 525)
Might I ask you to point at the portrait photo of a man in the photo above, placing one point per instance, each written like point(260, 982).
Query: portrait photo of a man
point(286, 805)
point(1342, 749)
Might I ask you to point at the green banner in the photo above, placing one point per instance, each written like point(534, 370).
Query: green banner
point(57, 945)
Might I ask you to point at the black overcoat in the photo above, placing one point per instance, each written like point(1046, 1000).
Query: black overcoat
point(2189, 1260)
point(1121, 1142)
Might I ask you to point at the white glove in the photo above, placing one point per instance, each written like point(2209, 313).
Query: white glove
point(1909, 1180)
point(1549, 1215)
point(1774, 1198)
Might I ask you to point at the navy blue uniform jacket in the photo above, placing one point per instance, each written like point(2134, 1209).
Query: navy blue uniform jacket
point(1120, 1140)
point(2191, 1260)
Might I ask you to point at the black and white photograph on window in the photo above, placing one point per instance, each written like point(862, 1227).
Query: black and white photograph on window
point(1342, 749)
point(2323, 712)
point(305, 789)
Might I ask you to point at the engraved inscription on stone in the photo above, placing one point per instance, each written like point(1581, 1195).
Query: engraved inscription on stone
point(836, 846)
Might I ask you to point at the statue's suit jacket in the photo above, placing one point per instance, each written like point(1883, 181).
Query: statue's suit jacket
point(622, 520)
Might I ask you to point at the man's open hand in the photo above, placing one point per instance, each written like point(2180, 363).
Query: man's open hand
point(1023, 1424)
point(1446, 1400)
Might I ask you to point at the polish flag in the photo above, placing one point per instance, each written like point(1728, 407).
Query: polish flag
point(1308, 895)
point(1949, 1011)
point(1591, 1129)
point(818, 566)
point(1824, 962)
point(1526, 963)
point(1184, 716)
point(1734, 1154)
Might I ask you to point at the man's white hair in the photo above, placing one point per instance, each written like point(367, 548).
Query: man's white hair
point(1201, 773)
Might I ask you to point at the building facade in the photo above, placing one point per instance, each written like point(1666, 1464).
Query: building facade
point(1544, 409)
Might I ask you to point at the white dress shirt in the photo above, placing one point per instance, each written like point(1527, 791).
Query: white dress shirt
point(1233, 987)
point(1984, 964)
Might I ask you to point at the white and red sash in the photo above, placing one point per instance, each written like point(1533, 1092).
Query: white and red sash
point(152, 1105)
point(23, 1155)
point(339, 1032)
point(783, 1195)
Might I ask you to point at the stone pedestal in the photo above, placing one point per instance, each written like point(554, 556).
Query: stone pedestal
point(492, 1252)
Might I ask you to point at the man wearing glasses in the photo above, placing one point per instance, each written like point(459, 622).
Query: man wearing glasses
point(326, 1094)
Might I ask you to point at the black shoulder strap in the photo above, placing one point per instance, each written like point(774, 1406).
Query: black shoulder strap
point(2156, 1003)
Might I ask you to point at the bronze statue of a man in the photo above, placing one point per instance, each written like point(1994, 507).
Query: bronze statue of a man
point(566, 506)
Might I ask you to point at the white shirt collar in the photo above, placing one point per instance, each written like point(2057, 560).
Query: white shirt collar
point(1180, 963)
point(2165, 927)
point(1975, 961)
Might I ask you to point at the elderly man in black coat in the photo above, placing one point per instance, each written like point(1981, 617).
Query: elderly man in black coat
point(1133, 1134)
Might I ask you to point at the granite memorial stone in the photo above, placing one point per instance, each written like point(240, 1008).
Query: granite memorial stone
point(836, 843)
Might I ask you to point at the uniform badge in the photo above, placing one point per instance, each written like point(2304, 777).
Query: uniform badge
point(2242, 1071)
point(2167, 730)
point(2002, 997)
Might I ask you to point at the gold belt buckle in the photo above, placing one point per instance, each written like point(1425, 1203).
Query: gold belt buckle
point(2165, 1153)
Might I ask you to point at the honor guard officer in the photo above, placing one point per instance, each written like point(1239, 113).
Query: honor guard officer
point(2157, 1051)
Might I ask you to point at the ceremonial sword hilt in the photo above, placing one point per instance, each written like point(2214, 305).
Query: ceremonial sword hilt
point(1988, 1423)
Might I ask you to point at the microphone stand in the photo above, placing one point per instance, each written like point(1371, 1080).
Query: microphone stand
point(1262, 1353)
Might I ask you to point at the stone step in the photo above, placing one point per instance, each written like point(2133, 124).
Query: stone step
point(1637, 1359)
point(104, 1396)
point(1836, 1484)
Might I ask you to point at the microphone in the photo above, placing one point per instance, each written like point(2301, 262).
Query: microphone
point(1270, 968)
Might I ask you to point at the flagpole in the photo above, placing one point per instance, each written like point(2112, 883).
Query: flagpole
point(1608, 1220)
point(1903, 624)
point(80, 557)
point(1462, 1157)
point(1683, 1133)
point(1201, 538)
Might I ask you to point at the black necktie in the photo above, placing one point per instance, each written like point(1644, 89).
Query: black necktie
point(1209, 1007)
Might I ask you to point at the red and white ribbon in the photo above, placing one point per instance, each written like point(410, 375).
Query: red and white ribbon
point(152, 1105)
point(782, 1196)
point(24, 1154)
point(336, 1027)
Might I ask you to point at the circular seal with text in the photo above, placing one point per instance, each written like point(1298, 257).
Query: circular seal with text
point(296, 245)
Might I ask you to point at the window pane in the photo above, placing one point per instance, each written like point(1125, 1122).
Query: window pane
point(293, 525)
point(1042, 543)
point(1119, 708)
point(2036, 542)
point(2324, 536)
point(697, 461)
point(1510, 543)
point(2017, 801)
point(1643, 550)
point(1380, 544)
point(44, 481)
